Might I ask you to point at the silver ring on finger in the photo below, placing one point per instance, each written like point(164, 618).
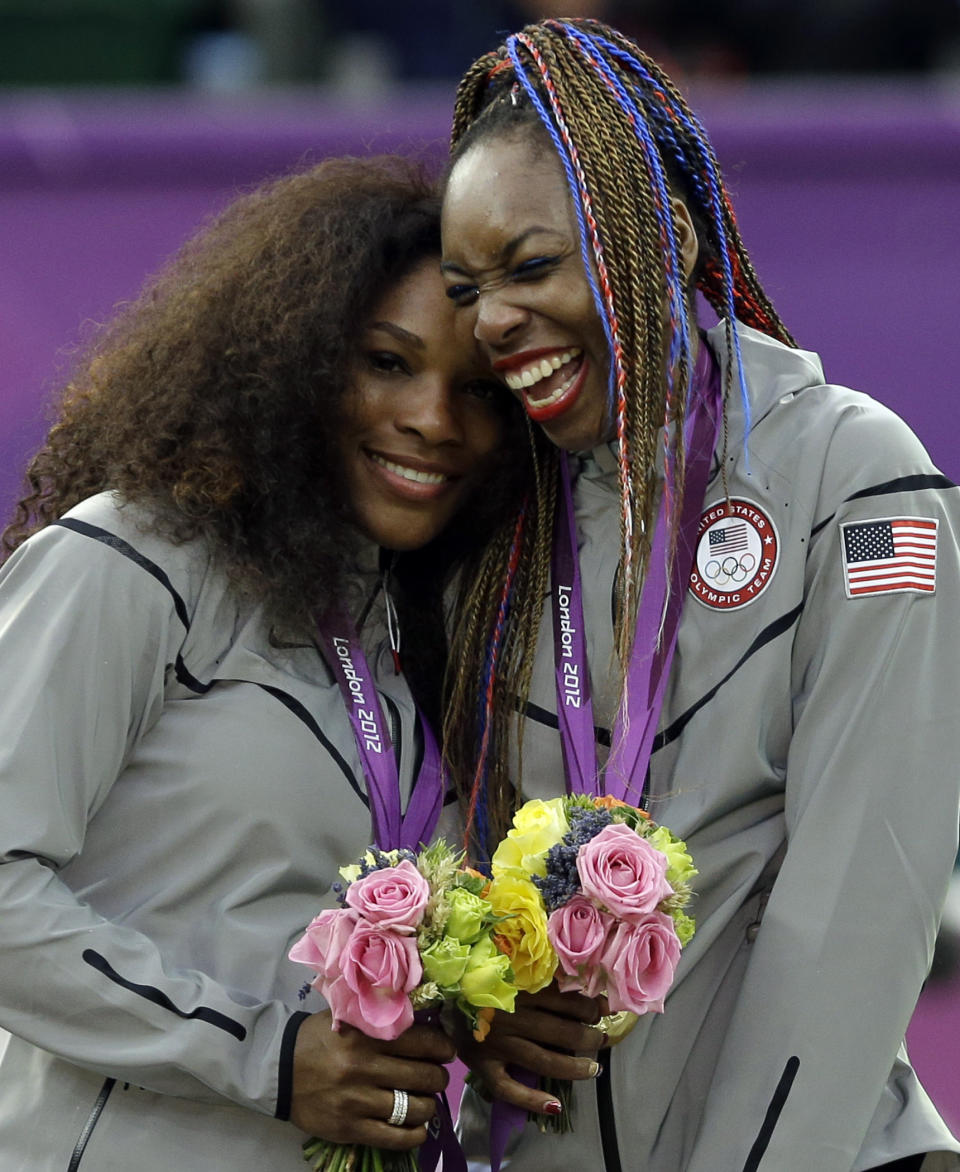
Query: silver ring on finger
point(401, 1102)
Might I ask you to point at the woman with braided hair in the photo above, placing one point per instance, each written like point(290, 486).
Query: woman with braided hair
point(745, 567)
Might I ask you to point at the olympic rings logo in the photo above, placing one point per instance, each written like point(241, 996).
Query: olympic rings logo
point(736, 554)
point(721, 572)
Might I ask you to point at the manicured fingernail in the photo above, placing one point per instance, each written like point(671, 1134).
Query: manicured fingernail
point(595, 1069)
point(553, 1108)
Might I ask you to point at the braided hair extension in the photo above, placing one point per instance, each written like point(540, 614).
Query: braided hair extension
point(629, 145)
point(498, 612)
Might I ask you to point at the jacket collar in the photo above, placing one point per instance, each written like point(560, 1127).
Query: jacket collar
point(772, 371)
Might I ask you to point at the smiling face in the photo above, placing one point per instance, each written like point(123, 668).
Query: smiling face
point(512, 265)
point(420, 425)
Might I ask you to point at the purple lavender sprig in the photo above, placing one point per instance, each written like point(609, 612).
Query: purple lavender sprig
point(374, 859)
point(585, 824)
point(562, 880)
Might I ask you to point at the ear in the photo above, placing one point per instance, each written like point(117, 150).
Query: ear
point(686, 236)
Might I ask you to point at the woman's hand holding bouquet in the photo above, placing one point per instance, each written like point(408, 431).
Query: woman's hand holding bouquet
point(413, 932)
point(343, 1083)
point(591, 895)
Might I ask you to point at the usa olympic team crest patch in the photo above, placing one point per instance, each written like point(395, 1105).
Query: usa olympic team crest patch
point(737, 552)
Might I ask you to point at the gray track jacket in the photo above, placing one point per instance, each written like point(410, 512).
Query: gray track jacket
point(809, 753)
point(176, 795)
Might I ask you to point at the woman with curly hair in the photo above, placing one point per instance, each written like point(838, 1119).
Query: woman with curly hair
point(727, 576)
point(253, 458)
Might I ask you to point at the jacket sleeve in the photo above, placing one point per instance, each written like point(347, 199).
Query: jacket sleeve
point(86, 638)
point(871, 811)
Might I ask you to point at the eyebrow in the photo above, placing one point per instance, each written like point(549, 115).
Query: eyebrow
point(508, 249)
point(398, 332)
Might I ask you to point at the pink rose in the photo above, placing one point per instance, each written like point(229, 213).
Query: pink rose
point(393, 897)
point(578, 932)
point(623, 872)
point(379, 968)
point(322, 943)
point(364, 972)
point(640, 960)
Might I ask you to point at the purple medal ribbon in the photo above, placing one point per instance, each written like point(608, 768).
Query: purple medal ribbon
point(658, 618)
point(391, 829)
point(658, 621)
point(574, 707)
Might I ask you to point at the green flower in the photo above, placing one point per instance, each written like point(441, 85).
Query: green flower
point(487, 979)
point(685, 926)
point(444, 961)
point(468, 915)
point(680, 868)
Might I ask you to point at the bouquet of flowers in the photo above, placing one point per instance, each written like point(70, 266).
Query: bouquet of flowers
point(412, 932)
point(592, 892)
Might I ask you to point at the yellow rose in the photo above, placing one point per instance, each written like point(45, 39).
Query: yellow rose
point(523, 934)
point(537, 826)
point(485, 982)
point(680, 868)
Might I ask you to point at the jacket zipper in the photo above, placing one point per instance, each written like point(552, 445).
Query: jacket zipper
point(91, 1123)
point(607, 1120)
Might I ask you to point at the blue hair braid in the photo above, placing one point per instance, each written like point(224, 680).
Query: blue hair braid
point(679, 337)
point(711, 196)
point(585, 252)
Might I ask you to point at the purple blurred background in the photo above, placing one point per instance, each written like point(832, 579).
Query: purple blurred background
point(848, 198)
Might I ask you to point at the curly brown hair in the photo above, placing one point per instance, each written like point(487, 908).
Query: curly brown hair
point(214, 398)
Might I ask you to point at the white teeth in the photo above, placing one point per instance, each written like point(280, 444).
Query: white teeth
point(409, 473)
point(541, 368)
point(554, 395)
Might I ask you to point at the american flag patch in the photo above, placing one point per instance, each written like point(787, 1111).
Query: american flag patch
point(890, 556)
point(732, 539)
